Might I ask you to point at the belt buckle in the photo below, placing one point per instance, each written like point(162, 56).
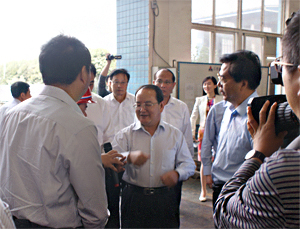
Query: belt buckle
point(149, 191)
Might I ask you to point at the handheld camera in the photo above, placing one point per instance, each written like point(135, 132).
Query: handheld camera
point(112, 57)
point(285, 118)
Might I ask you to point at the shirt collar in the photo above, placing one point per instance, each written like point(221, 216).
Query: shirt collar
point(138, 125)
point(242, 108)
point(16, 101)
point(113, 97)
point(171, 101)
point(61, 95)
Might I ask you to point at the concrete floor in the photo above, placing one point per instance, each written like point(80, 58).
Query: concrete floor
point(193, 213)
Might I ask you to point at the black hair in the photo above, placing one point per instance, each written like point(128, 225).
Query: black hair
point(62, 59)
point(119, 71)
point(244, 65)
point(291, 42)
point(93, 70)
point(158, 91)
point(19, 87)
point(213, 79)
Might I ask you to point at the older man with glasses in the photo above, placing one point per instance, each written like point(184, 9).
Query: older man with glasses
point(265, 191)
point(158, 158)
point(239, 76)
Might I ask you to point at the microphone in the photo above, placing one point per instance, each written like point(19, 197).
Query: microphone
point(107, 147)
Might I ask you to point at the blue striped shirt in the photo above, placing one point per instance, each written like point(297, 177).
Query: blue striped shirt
point(265, 196)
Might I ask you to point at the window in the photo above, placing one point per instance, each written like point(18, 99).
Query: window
point(226, 16)
point(224, 44)
point(200, 46)
point(202, 11)
point(272, 16)
point(251, 15)
point(254, 44)
point(225, 26)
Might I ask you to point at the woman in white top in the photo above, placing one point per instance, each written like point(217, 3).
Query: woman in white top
point(201, 107)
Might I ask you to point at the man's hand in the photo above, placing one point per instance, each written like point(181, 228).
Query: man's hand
point(111, 158)
point(263, 134)
point(195, 140)
point(106, 57)
point(137, 158)
point(209, 181)
point(170, 178)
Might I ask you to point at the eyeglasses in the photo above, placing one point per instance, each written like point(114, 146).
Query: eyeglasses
point(146, 105)
point(121, 83)
point(278, 63)
point(165, 82)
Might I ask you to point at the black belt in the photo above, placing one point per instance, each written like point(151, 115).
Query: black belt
point(25, 223)
point(148, 191)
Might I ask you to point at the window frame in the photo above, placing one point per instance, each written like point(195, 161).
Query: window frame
point(239, 33)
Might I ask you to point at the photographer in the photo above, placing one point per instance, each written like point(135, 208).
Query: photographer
point(266, 194)
point(104, 80)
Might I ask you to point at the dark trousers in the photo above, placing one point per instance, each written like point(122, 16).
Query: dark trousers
point(113, 200)
point(141, 209)
point(178, 192)
point(217, 188)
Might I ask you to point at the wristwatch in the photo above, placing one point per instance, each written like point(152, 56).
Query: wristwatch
point(255, 154)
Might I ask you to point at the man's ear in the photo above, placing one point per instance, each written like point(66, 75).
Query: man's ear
point(244, 84)
point(161, 106)
point(22, 97)
point(84, 75)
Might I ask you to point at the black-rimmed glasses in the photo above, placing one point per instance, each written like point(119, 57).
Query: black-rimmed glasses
point(146, 105)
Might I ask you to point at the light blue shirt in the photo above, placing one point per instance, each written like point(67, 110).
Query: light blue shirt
point(211, 133)
point(234, 142)
point(167, 149)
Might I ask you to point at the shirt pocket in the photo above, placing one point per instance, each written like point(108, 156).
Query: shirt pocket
point(168, 160)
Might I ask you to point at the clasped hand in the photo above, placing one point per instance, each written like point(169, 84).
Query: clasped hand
point(113, 160)
point(139, 158)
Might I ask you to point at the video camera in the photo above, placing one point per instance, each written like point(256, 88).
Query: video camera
point(285, 118)
point(112, 57)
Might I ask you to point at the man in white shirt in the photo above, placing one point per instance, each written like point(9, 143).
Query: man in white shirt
point(122, 113)
point(20, 92)
point(51, 170)
point(158, 158)
point(120, 102)
point(175, 111)
point(99, 113)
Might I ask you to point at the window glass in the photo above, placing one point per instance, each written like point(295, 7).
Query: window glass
point(254, 44)
point(272, 17)
point(200, 46)
point(251, 15)
point(224, 44)
point(202, 11)
point(226, 13)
